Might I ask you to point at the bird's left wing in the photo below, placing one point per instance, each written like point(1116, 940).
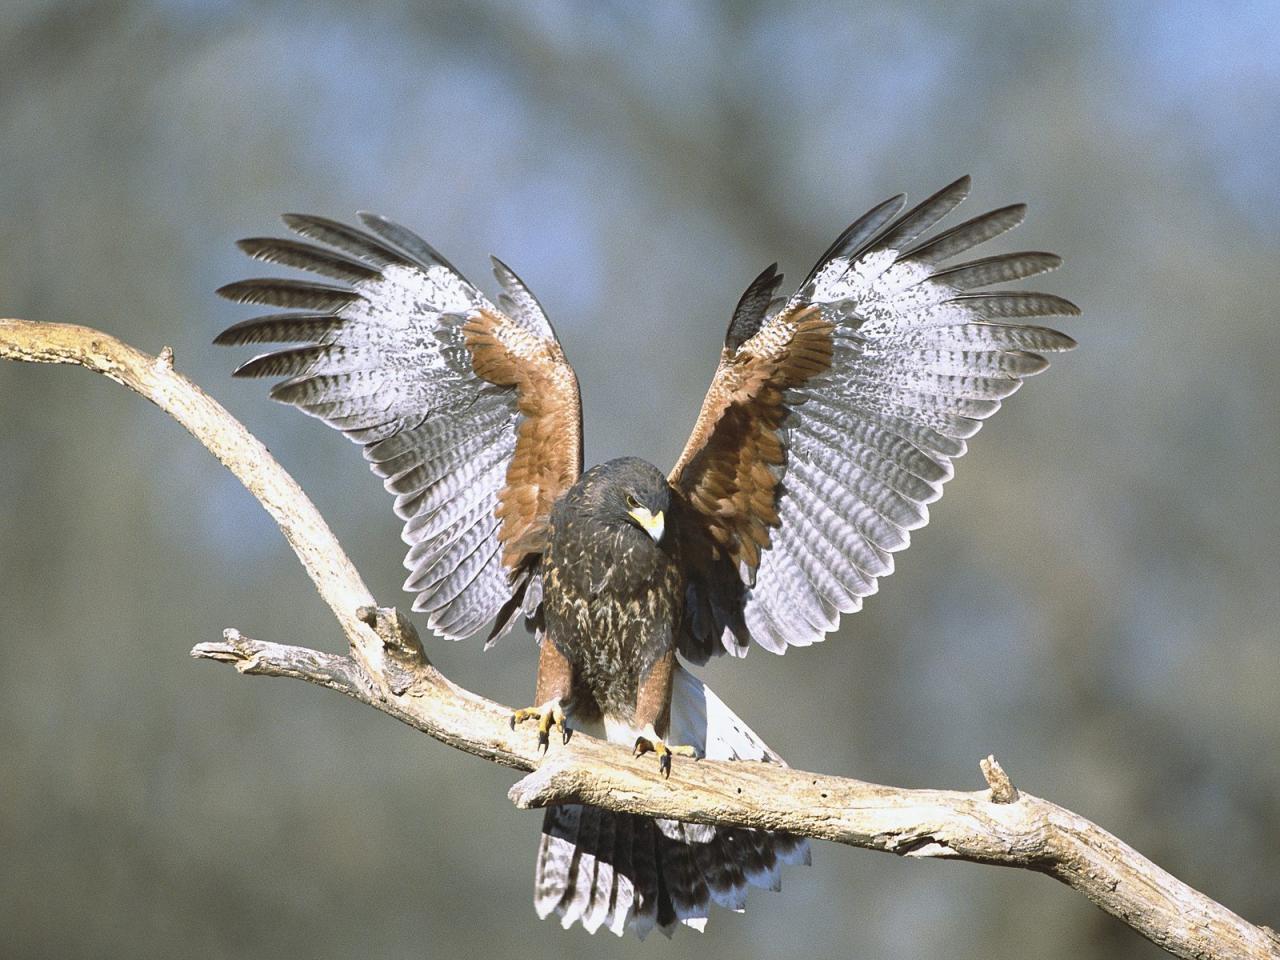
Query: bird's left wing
point(833, 419)
point(468, 410)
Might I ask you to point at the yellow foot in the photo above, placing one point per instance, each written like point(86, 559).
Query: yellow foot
point(549, 715)
point(664, 751)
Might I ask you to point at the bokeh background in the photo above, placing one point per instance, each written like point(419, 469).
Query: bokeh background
point(1096, 601)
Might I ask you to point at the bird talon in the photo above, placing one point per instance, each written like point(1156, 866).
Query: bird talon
point(664, 751)
point(548, 715)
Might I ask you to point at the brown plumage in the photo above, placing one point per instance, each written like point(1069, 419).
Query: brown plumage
point(548, 452)
point(831, 423)
point(731, 464)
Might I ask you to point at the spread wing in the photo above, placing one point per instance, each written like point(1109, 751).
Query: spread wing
point(833, 418)
point(468, 410)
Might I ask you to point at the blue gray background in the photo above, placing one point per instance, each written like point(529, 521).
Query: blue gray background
point(1095, 602)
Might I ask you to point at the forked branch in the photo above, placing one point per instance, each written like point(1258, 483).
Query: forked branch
point(387, 669)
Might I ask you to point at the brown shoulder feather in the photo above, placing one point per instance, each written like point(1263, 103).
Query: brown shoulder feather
point(548, 454)
point(729, 468)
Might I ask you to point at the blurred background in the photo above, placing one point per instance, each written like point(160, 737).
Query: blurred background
point(1096, 601)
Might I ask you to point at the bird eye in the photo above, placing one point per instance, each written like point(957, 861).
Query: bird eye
point(632, 502)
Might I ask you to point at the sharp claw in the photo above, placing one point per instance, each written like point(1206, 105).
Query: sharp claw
point(548, 716)
point(664, 751)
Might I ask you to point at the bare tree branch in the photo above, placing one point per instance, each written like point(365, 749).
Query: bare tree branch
point(388, 670)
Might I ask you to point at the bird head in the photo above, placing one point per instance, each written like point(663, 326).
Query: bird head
point(640, 493)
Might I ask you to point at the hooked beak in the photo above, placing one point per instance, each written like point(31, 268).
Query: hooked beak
point(652, 523)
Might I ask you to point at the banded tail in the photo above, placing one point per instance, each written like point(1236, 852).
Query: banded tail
point(621, 871)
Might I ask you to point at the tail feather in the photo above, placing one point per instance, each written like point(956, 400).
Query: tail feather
point(555, 858)
point(646, 877)
point(758, 860)
point(604, 886)
point(726, 879)
point(620, 871)
point(623, 895)
point(685, 884)
point(582, 868)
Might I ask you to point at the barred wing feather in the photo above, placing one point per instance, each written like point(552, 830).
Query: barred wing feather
point(826, 433)
point(468, 411)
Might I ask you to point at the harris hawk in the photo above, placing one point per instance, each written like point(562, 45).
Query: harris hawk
point(831, 423)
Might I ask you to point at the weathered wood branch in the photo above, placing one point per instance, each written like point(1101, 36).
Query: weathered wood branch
point(387, 669)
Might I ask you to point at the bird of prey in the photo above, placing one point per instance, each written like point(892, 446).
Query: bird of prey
point(831, 423)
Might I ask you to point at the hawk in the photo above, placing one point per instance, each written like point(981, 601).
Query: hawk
point(831, 423)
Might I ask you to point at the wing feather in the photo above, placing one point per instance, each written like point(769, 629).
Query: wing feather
point(307, 256)
point(469, 414)
point(998, 269)
point(294, 294)
point(967, 235)
point(921, 218)
point(279, 328)
point(830, 428)
point(349, 240)
point(858, 234)
point(753, 306)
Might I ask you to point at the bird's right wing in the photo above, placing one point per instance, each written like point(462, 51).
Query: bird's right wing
point(468, 410)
